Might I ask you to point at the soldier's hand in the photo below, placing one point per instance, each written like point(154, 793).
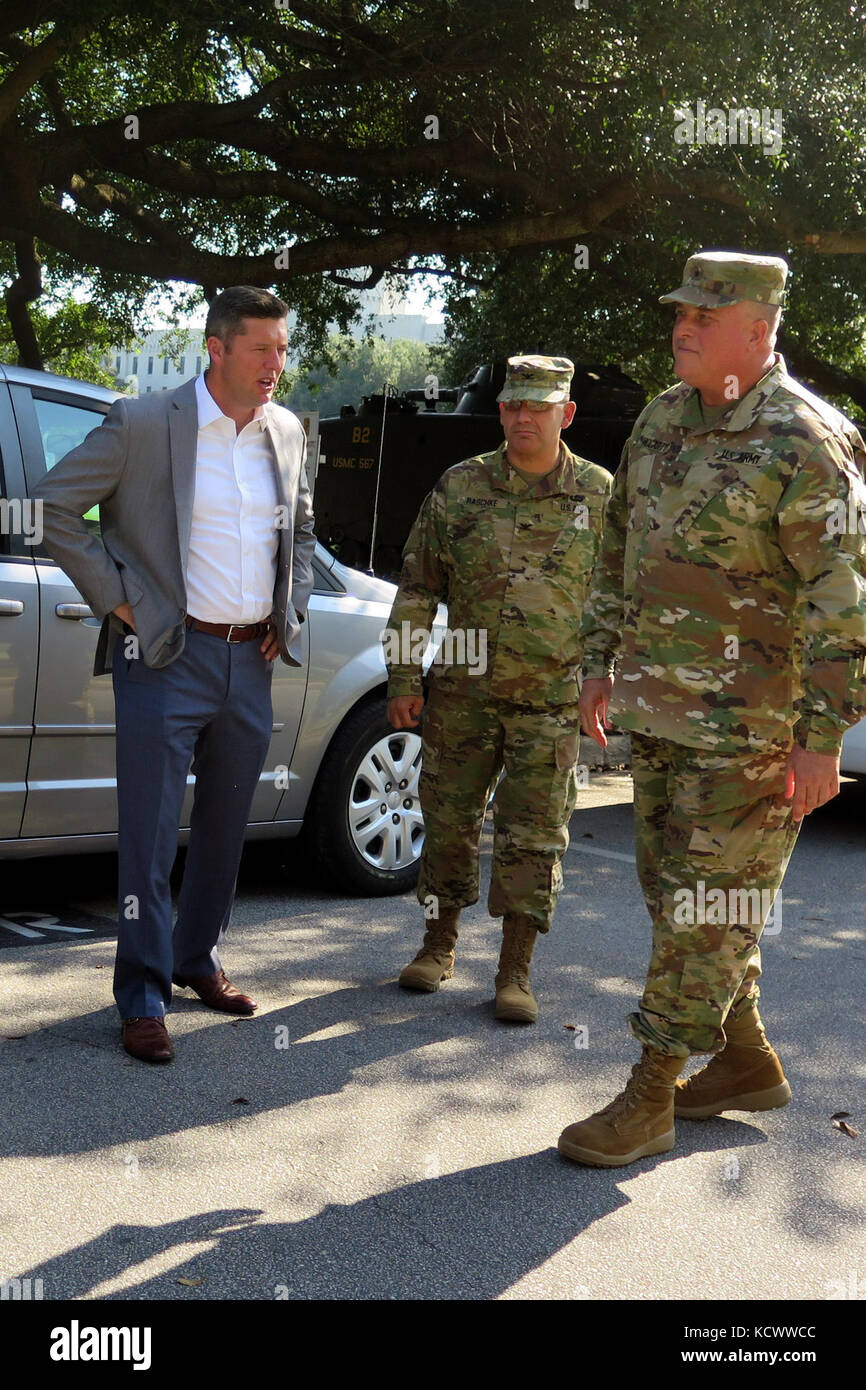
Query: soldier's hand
point(811, 779)
point(404, 711)
point(594, 699)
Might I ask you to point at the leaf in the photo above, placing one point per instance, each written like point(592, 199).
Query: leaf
point(841, 1115)
point(240, 1100)
point(190, 1283)
point(846, 1128)
point(14, 1037)
point(572, 1027)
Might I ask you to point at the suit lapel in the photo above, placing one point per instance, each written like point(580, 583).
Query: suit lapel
point(183, 440)
point(281, 452)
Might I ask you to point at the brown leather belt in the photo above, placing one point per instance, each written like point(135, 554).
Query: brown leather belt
point(232, 632)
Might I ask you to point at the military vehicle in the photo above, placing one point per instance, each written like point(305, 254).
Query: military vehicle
point(378, 463)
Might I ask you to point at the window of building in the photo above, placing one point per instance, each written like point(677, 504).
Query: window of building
point(165, 366)
point(117, 364)
point(198, 366)
point(135, 364)
point(182, 365)
point(150, 366)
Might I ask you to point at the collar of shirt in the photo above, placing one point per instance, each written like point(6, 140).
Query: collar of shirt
point(209, 411)
point(744, 412)
point(505, 479)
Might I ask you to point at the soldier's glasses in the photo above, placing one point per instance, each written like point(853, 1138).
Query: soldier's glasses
point(536, 407)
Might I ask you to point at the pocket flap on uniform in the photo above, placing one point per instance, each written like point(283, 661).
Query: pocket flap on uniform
point(566, 751)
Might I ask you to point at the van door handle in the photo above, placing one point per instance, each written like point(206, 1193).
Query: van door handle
point(10, 607)
point(73, 610)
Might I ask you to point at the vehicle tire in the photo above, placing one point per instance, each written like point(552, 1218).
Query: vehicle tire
point(363, 827)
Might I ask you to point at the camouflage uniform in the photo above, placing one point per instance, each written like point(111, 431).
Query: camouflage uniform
point(730, 601)
point(513, 560)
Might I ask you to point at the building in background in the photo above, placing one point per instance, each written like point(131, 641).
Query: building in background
point(169, 356)
point(148, 366)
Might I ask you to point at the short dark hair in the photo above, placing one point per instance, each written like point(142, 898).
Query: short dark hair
point(240, 302)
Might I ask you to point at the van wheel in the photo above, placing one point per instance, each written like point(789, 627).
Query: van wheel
point(364, 826)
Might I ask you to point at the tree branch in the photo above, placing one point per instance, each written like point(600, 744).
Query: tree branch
point(369, 283)
point(107, 197)
point(38, 60)
point(179, 176)
point(819, 373)
point(776, 217)
point(107, 143)
point(93, 245)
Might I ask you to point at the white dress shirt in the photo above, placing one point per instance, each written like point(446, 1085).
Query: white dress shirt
point(231, 565)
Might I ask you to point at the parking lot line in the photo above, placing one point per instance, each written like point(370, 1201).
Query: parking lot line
point(607, 853)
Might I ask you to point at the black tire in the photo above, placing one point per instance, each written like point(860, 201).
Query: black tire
point(341, 853)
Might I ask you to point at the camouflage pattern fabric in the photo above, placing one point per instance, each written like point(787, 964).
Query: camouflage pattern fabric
point(705, 822)
point(730, 594)
point(537, 379)
point(511, 561)
point(715, 279)
point(467, 740)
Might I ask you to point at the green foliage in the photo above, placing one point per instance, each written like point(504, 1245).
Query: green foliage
point(361, 369)
point(287, 147)
point(540, 303)
point(74, 336)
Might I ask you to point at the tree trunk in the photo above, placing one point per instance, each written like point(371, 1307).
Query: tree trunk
point(22, 291)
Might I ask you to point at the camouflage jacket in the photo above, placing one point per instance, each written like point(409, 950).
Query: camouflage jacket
point(730, 594)
point(512, 563)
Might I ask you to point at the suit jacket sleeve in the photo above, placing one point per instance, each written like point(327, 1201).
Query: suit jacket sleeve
point(84, 477)
point(303, 547)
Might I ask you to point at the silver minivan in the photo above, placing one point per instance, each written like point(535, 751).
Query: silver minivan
point(336, 772)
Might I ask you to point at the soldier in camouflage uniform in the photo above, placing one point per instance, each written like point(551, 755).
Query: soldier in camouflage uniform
point(730, 601)
point(507, 541)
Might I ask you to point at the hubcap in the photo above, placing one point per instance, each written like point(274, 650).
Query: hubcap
point(384, 811)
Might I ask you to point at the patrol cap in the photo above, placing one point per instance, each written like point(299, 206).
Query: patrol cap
point(537, 379)
point(714, 279)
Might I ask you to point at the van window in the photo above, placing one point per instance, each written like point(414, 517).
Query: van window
point(63, 427)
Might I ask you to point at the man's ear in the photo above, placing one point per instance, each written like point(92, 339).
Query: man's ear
point(215, 348)
point(568, 413)
point(759, 334)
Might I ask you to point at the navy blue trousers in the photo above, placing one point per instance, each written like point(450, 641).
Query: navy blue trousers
point(211, 710)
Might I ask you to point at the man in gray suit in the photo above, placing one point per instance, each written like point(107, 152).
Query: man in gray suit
point(201, 578)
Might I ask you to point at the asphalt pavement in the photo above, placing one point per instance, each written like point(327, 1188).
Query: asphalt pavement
point(356, 1141)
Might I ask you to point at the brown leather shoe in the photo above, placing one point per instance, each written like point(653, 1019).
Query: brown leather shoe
point(147, 1039)
point(217, 992)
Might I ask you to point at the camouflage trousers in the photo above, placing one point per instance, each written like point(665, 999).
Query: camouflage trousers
point(467, 741)
point(712, 849)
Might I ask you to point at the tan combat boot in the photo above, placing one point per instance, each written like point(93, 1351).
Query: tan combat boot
point(435, 961)
point(638, 1123)
point(745, 1075)
point(515, 1001)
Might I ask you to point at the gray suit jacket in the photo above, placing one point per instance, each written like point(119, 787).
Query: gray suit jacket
point(139, 465)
